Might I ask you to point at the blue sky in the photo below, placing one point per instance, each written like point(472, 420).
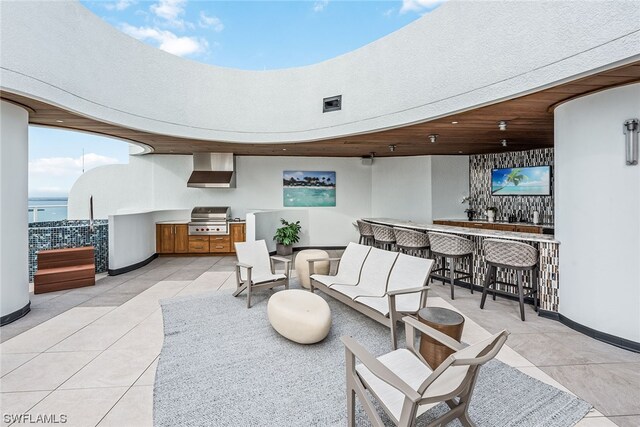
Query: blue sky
point(250, 35)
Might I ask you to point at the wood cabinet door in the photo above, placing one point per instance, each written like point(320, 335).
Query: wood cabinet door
point(165, 238)
point(529, 229)
point(198, 244)
point(503, 227)
point(181, 238)
point(238, 234)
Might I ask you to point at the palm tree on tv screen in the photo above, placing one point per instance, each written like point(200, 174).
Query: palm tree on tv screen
point(516, 177)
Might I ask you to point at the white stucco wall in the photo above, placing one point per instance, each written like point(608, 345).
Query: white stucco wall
point(450, 183)
point(14, 240)
point(132, 237)
point(392, 187)
point(597, 199)
point(401, 188)
point(158, 182)
point(420, 188)
point(462, 55)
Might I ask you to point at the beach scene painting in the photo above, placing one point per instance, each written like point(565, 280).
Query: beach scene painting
point(309, 188)
point(525, 181)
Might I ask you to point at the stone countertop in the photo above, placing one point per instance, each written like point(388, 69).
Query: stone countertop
point(469, 231)
point(185, 222)
point(484, 221)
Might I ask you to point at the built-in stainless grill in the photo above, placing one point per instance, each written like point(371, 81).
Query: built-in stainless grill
point(209, 220)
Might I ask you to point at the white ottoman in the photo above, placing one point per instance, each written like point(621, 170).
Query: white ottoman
point(300, 316)
point(302, 266)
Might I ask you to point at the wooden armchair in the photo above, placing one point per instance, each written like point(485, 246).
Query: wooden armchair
point(402, 381)
point(256, 269)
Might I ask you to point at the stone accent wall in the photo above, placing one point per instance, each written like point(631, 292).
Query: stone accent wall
point(480, 185)
point(547, 278)
point(69, 234)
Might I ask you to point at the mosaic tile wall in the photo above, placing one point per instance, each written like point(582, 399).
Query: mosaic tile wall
point(480, 185)
point(547, 276)
point(69, 234)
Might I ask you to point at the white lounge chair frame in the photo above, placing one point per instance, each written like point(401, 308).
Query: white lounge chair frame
point(249, 284)
point(457, 400)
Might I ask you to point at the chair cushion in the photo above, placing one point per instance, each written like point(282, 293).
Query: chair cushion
point(267, 278)
point(351, 263)
point(412, 371)
point(330, 280)
point(349, 268)
point(409, 303)
point(352, 291)
point(406, 366)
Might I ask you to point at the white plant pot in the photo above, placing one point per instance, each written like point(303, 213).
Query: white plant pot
point(491, 216)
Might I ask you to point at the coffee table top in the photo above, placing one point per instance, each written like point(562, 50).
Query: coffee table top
point(440, 316)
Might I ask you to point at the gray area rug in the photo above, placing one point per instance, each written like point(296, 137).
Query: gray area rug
point(223, 365)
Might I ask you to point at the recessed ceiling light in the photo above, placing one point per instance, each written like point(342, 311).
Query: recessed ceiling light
point(503, 142)
point(59, 121)
point(284, 149)
point(454, 123)
point(433, 138)
point(459, 152)
point(502, 125)
point(392, 148)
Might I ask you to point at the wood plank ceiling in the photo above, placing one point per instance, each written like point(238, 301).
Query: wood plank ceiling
point(529, 119)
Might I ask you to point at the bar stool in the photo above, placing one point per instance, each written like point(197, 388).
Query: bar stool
point(366, 233)
point(412, 242)
point(515, 256)
point(384, 237)
point(451, 248)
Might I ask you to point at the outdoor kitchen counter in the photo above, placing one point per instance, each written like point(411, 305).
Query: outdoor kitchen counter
point(468, 231)
point(547, 246)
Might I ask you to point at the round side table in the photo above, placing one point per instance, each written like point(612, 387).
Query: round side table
point(443, 320)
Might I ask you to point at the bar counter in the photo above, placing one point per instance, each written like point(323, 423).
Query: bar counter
point(547, 245)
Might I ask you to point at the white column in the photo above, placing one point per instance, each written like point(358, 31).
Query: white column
point(597, 203)
point(14, 223)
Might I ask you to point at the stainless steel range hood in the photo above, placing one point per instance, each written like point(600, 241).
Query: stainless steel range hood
point(213, 170)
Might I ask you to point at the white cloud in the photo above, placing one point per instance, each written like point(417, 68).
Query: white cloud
point(67, 166)
point(210, 21)
point(321, 5)
point(168, 41)
point(419, 5)
point(389, 12)
point(119, 5)
point(170, 10)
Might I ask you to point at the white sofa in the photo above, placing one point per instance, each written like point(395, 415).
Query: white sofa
point(382, 285)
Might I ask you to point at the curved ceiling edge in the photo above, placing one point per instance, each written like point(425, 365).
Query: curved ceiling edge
point(411, 85)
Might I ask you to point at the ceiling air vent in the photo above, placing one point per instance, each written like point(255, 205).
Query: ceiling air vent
point(333, 103)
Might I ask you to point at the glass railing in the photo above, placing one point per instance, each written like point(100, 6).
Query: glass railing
point(43, 213)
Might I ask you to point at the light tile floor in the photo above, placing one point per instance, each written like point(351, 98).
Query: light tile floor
point(91, 353)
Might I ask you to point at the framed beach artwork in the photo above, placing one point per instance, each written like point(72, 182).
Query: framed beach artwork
point(309, 188)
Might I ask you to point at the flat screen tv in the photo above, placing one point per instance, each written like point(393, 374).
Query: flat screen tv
point(524, 181)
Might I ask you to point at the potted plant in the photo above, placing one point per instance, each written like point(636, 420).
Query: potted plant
point(470, 213)
point(491, 213)
point(286, 236)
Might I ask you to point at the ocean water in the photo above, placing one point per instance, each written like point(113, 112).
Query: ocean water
point(308, 197)
point(520, 190)
point(48, 209)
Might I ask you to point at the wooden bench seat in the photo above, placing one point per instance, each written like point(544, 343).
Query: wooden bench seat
point(60, 269)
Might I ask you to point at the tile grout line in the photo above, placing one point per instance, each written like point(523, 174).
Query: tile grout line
point(128, 388)
point(84, 365)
